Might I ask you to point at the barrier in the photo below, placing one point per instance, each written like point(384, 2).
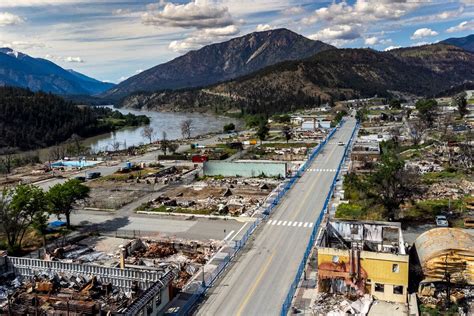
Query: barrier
point(211, 278)
point(291, 292)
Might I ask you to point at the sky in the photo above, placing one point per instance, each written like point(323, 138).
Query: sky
point(112, 40)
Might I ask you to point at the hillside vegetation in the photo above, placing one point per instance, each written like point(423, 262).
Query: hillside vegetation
point(335, 74)
point(31, 120)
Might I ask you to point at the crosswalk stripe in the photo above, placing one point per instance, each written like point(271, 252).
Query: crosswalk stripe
point(269, 222)
point(295, 223)
point(306, 224)
point(301, 224)
point(284, 223)
point(274, 222)
point(310, 225)
point(278, 224)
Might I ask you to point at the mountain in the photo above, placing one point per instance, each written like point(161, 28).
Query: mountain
point(466, 42)
point(223, 61)
point(331, 74)
point(20, 70)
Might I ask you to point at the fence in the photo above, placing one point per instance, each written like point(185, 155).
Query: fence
point(289, 298)
point(214, 275)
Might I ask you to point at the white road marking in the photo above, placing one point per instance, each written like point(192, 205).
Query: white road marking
point(229, 235)
point(284, 223)
point(278, 224)
point(310, 225)
point(300, 224)
point(306, 224)
point(295, 223)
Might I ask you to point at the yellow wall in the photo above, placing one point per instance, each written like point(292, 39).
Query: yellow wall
point(379, 270)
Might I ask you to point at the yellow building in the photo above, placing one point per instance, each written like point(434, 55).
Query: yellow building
point(356, 258)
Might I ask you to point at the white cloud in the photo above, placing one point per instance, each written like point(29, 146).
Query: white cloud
point(195, 14)
point(263, 27)
point(423, 32)
point(362, 11)
point(293, 11)
point(203, 37)
point(391, 48)
point(337, 35)
point(33, 3)
point(21, 45)
point(68, 59)
point(463, 26)
point(7, 18)
point(71, 59)
point(373, 40)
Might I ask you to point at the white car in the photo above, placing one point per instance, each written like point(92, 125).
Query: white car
point(341, 143)
point(441, 221)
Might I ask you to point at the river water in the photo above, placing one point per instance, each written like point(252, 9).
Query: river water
point(160, 122)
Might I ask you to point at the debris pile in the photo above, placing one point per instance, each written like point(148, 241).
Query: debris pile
point(233, 196)
point(340, 305)
point(435, 297)
point(58, 294)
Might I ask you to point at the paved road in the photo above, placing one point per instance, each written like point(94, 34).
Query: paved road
point(258, 282)
point(171, 226)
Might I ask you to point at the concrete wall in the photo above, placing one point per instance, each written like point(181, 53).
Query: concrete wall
point(379, 268)
point(245, 169)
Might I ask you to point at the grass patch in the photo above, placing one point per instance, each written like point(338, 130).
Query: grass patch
point(360, 212)
point(434, 177)
point(426, 210)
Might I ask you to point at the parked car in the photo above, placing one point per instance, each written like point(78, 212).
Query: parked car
point(441, 221)
point(80, 178)
point(341, 143)
point(93, 175)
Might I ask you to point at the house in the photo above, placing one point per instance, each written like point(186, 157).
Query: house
point(364, 154)
point(363, 257)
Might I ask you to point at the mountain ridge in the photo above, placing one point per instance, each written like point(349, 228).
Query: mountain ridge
point(222, 61)
point(37, 74)
point(466, 42)
point(331, 74)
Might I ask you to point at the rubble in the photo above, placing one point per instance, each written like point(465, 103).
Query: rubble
point(57, 293)
point(232, 196)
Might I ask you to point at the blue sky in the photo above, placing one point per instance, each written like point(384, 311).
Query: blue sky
point(114, 39)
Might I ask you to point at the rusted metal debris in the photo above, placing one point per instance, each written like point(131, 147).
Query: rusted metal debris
point(446, 251)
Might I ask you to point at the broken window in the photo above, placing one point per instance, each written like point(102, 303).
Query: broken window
point(395, 268)
point(354, 229)
point(398, 289)
point(379, 287)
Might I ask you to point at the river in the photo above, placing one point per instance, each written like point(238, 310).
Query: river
point(160, 122)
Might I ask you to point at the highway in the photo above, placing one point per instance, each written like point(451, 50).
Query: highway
point(258, 282)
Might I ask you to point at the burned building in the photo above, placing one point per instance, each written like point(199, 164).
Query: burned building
point(364, 155)
point(357, 258)
point(40, 287)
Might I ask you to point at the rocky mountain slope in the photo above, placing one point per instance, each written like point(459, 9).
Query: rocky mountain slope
point(332, 74)
point(20, 70)
point(223, 61)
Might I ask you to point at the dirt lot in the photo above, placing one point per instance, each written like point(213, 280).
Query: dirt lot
point(232, 196)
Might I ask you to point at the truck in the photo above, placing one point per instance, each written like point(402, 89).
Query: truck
point(199, 158)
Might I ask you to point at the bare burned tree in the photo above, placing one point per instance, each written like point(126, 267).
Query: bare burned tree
point(6, 160)
point(186, 127)
point(417, 130)
point(148, 132)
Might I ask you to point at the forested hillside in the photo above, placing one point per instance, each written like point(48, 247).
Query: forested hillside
point(336, 74)
point(30, 120)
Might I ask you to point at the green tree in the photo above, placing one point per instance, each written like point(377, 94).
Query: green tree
point(395, 104)
point(460, 102)
point(63, 196)
point(229, 127)
point(287, 133)
point(427, 110)
point(173, 147)
point(262, 131)
point(18, 209)
point(392, 182)
point(40, 224)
